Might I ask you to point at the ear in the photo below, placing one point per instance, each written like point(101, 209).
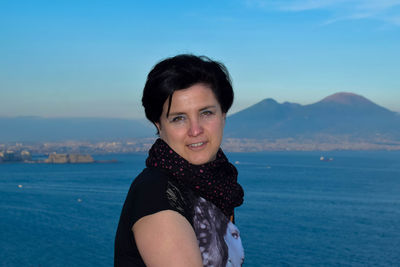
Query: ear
point(158, 125)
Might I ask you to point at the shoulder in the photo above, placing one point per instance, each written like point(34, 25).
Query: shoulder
point(153, 190)
point(146, 195)
point(151, 180)
point(150, 176)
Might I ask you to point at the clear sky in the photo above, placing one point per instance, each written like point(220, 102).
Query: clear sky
point(90, 58)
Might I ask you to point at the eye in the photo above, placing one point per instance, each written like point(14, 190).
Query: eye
point(235, 234)
point(178, 118)
point(207, 113)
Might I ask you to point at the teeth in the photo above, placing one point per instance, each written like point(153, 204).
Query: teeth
point(197, 144)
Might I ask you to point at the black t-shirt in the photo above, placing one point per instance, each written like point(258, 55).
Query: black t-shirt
point(152, 191)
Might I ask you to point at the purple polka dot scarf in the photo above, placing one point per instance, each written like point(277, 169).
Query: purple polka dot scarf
point(215, 181)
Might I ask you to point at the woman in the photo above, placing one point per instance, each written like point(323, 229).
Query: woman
point(179, 210)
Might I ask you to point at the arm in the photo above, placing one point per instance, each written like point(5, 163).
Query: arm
point(166, 238)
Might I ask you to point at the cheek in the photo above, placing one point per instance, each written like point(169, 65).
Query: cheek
point(173, 134)
point(164, 134)
point(218, 126)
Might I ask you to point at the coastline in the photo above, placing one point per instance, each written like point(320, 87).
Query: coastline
point(322, 143)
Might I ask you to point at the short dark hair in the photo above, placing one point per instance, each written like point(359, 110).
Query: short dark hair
point(180, 72)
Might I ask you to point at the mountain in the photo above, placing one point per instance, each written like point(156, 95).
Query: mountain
point(338, 117)
point(338, 114)
point(35, 129)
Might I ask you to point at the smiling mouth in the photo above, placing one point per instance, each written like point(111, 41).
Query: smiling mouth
point(197, 144)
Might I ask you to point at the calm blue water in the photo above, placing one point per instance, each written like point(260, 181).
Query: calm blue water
point(298, 211)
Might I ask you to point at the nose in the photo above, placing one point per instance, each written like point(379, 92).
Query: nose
point(195, 128)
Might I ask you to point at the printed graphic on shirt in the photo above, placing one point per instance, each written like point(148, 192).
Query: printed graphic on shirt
point(219, 239)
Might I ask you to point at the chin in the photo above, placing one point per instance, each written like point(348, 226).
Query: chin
point(199, 160)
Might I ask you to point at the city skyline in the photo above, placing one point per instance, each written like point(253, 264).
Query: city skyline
point(90, 59)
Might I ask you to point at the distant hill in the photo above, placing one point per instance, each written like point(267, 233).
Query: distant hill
point(338, 114)
point(35, 129)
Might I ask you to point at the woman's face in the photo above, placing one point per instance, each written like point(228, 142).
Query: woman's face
point(234, 243)
point(195, 124)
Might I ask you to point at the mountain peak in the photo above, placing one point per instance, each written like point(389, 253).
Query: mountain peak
point(268, 101)
point(346, 98)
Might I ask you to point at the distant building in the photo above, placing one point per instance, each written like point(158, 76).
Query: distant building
point(12, 156)
point(26, 155)
point(69, 158)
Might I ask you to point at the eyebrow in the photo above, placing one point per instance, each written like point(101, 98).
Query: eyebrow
point(208, 107)
point(202, 109)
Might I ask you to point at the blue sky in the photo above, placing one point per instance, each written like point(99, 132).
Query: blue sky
point(90, 58)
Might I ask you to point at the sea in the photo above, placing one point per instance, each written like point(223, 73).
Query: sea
point(299, 210)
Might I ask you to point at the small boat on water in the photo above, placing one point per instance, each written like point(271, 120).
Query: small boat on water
point(322, 158)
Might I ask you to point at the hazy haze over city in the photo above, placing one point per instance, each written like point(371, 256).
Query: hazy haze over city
point(91, 58)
